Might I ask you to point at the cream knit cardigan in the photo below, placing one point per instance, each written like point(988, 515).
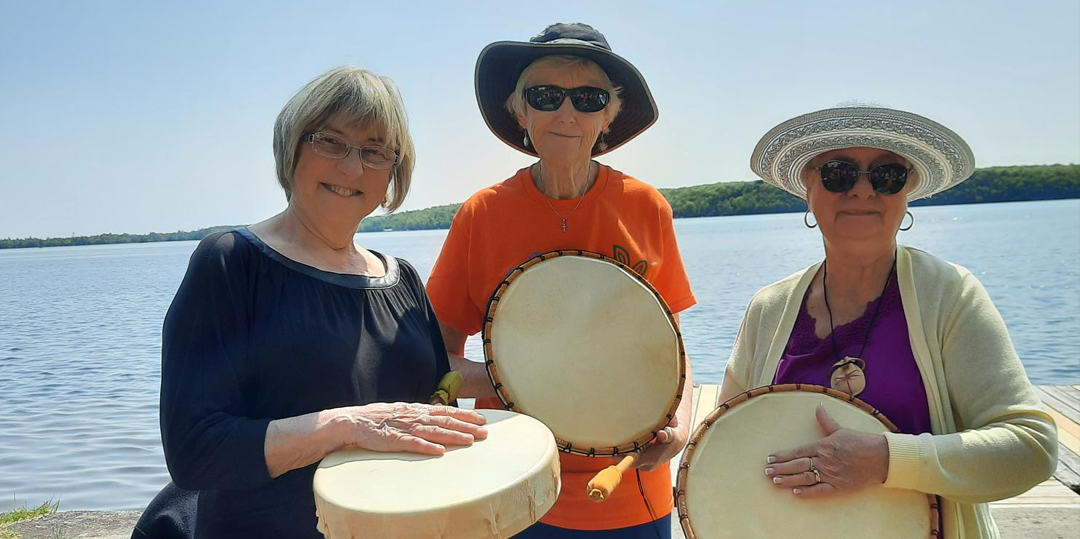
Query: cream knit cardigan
point(992, 438)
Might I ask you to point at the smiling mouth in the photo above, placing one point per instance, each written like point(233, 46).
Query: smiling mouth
point(566, 136)
point(341, 191)
point(860, 212)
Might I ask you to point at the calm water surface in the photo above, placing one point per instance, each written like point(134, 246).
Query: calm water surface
point(80, 328)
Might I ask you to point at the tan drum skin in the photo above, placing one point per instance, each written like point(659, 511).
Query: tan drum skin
point(493, 489)
point(588, 346)
point(723, 491)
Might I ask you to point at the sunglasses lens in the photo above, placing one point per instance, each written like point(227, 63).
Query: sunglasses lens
point(838, 176)
point(550, 98)
point(589, 99)
point(889, 179)
point(545, 98)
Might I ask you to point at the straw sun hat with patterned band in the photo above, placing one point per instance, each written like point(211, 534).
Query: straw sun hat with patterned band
point(501, 63)
point(940, 157)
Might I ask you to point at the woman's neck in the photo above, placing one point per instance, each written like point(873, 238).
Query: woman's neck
point(564, 180)
point(291, 235)
point(292, 226)
point(856, 276)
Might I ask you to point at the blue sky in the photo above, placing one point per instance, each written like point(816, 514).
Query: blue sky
point(156, 116)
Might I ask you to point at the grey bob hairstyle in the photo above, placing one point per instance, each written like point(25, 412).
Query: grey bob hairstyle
point(353, 96)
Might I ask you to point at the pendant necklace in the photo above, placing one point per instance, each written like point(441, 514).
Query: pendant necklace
point(580, 199)
point(848, 374)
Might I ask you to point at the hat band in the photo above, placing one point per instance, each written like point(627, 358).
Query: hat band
point(571, 41)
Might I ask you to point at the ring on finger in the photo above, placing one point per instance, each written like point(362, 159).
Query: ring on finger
point(817, 475)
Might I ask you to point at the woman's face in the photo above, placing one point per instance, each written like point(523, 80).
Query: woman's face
point(565, 135)
point(862, 214)
point(333, 195)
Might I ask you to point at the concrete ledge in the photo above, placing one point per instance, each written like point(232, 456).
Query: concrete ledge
point(78, 525)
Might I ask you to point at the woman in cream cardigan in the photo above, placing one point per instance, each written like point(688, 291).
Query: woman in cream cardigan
point(911, 334)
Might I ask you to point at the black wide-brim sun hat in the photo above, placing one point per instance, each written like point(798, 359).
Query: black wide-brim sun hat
point(501, 63)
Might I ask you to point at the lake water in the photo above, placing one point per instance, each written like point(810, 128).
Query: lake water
point(80, 328)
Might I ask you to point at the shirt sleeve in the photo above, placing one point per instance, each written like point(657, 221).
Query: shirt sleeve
point(442, 361)
point(209, 443)
point(671, 279)
point(1006, 442)
point(449, 284)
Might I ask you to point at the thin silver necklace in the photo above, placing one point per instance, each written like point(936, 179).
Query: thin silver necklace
point(581, 198)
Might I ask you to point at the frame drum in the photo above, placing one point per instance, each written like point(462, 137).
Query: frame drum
point(723, 490)
point(493, 489)
point(586, 345)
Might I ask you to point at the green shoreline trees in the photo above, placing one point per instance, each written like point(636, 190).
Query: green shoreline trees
point(994, 184)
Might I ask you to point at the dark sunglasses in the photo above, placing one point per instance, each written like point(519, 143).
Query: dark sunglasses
point(549, 98)
point(887, 179)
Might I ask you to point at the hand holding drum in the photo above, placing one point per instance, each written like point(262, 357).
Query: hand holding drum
point(496, 487)
point(722, 492)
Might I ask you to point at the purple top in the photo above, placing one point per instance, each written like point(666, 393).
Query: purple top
point(893, 382)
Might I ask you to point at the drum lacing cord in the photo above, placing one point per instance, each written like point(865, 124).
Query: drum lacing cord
point(648, 506)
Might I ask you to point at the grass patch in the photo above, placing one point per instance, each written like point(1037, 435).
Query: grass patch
point(19, 515)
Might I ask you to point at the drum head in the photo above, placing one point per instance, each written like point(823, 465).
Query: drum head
point(495, 488)
point(587, 346)
point(723, 490)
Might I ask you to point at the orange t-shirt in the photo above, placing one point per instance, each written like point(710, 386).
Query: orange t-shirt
point(500, 227)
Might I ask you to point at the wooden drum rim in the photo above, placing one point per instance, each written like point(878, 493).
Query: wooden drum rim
point(703, 428)
point(508, 399)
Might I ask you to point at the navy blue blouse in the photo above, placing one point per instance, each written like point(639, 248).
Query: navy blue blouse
point(252, 336)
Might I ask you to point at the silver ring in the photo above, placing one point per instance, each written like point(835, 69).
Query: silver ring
point(815, 471)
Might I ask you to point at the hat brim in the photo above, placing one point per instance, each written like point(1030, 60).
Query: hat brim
point(941, 158)
point(501, 63)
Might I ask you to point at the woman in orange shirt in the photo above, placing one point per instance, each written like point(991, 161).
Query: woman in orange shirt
point(565, 97)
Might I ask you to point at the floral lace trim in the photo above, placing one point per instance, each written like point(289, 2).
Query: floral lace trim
point(804, 340)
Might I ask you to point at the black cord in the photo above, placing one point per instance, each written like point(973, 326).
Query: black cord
point(648, 507)
point(881, 299)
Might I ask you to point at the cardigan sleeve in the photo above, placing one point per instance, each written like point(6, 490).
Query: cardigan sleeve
point(209, 442)
point(1006, 443)
point(741, 362)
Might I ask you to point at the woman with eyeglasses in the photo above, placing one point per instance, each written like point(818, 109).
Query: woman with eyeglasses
point(565, 98)
point(288, 341)
point(914, 336)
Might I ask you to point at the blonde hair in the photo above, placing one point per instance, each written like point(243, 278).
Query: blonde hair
point(354, 96)
point(516, 104)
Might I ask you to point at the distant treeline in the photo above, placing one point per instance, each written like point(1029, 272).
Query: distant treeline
point(425, 219)
point(102, 239)
point(994, 184)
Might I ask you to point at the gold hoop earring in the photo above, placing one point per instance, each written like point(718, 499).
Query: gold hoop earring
point(806, 220)
point(908, 214)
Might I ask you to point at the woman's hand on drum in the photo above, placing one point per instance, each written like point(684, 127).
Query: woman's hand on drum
point(845, 460)
point(412, 428)
point(669, 441)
